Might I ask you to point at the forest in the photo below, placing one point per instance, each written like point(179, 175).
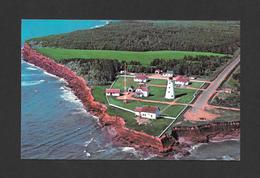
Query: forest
point(99, 71)
point(208, 36)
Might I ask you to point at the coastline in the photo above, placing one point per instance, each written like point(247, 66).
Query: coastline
point(119, 133)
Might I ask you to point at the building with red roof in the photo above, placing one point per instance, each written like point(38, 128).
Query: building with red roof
point(112, 92)
point(182, 80)
point(141, 78)
point(142, 91)
point(150, 112)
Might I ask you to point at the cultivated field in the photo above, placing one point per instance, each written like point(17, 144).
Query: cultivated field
point(144, 58)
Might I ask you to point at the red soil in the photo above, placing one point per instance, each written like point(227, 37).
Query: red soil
point(200, 115)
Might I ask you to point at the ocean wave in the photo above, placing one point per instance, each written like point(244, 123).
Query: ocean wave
point(88, 142)
point(31, 83)
point(68, 95)
point(31, 68)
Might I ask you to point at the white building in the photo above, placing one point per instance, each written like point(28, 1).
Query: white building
point(170, 94)
point(112, 92)
point(141, 78)
point(182, 80)
point(141, 91)
point(168, 73)
point(149, 112)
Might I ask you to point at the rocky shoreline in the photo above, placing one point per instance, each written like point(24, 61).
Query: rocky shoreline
point(184, 137)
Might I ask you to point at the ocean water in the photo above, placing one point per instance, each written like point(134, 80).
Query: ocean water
point(54, 124)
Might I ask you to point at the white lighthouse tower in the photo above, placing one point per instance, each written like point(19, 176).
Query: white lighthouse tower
point(170, 94)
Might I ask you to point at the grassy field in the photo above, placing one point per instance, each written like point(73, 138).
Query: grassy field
point(157, 82)
point(184, 95)
point(196, 84)
point(119, 83)
point(173, 110)
point(144, 57)
point(99, 93)
point(155, 127)
point(133, 104)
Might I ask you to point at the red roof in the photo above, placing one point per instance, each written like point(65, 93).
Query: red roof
point(112, 90)
point(141, 76)
point(182, 78)
point(143, 88)
point(150, 109)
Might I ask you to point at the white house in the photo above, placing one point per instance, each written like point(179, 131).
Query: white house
point(182, 80)
point(168, 73)
point(169, 92)
point(141, 91)
point(149, 112)
point(112, 92)
point(140, 78)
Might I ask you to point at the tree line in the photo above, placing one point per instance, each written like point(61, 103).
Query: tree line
point(104, 71)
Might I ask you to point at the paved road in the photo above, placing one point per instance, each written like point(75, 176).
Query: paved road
point(203, 98)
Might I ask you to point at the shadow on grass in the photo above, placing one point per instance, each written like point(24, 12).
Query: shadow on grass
point(180, 95)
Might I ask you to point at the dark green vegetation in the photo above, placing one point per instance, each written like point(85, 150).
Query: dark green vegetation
point(144, 58)
point(212, 36)
point(230, 99)
point(200, 65)
point(96, 72)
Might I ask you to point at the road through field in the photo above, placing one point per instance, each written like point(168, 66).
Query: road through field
point(204, 97)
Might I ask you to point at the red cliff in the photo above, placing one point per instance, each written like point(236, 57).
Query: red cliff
point(186, 136)
point(83, 92)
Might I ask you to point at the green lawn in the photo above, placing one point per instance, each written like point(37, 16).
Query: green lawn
point(173, 110)
point(184, 95)
point(144, 57)
point(119, 83)
point(155, 127)
point(157, 82)
point(133, 104)
point(196, 84)
point(99, 94)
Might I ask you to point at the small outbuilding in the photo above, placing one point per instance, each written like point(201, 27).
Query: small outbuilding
point(142, 78)
point(149, 112)
point(112, 92)
point(182, 80)
point(142, 91)
point(168, 73)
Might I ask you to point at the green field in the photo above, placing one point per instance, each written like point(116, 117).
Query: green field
point(119, 83)
point(196, 84)
point(133, 104)
point(157, 82)
point(184, 95)
point(155, 127)
point(144, 57)
point(173, 110)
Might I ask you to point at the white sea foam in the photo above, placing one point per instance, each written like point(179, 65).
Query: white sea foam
point(31, 83)
point(31, 68)
point(68, 95)
point(88, 142)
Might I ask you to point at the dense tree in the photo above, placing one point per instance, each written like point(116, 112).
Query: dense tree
point(214, 36)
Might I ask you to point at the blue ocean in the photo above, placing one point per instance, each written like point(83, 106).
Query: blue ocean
point(54, 124)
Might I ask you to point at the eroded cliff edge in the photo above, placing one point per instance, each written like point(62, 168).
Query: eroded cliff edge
point(180, 139)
